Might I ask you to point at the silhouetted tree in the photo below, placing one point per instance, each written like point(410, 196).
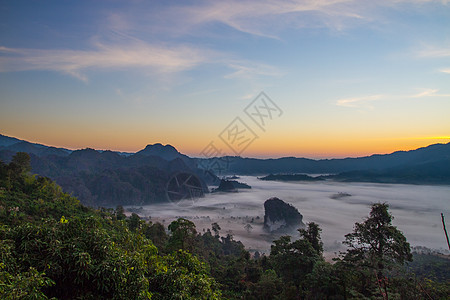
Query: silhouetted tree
point(216, 229)
point(312, 234)
point(376, 245)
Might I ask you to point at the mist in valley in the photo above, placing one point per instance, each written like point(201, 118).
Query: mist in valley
point(416, 210)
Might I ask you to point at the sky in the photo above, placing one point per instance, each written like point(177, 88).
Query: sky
point(318, 79)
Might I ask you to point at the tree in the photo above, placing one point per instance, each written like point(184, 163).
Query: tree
point(216, 229)
point(183, 234)
point(293, 260)
point(134, 222)
point(14, 175)
point(180, 275)
point(22, 161)
point(312, 234)
point(120, 213)
point(376, 245)
point(377, 242)
point(157, 234)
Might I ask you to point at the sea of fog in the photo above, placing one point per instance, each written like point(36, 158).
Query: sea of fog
point(416, 209)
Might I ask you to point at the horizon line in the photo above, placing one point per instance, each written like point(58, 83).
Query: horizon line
point(263, 156)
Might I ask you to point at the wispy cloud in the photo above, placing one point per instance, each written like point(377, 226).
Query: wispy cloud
point(137, 38)
point(364, 100)
point(356, 101)
point(425, 93)
point(250, 70)
point(266, 17)
point(158, 59)
point(446, 70)
point(430, 51)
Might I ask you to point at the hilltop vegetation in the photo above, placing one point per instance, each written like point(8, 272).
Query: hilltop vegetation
point(107, 178)
point(53, 246)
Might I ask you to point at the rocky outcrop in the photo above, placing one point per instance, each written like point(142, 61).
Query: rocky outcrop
point(280, 216)
point(231, 186)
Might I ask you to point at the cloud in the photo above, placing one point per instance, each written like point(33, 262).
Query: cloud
point(426, 93)
point(355, 102)
point(447, 70)
point(159, 59)
point(265, 17)
point(156, 59)
point(361, 101)
point(433, 52)
point(250, 70)
point(138, 38)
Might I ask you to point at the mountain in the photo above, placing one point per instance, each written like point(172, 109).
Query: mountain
point(16, 145)
point(290, 177)
point(289, 165)
point(431, 172)
point(108, 178)
point(6, 141)
point(168, 152)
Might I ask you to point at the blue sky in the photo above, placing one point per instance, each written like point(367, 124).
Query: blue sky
point(351, 77)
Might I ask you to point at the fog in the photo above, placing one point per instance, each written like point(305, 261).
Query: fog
point(416, 210)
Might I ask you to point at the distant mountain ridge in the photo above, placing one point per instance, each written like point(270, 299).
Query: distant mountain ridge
point(241, 165)
point(107, 178)
point(428, 172)
point(16, 145)
point(289, 165)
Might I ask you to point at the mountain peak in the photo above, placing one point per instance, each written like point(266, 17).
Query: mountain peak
point(160, 146)
point(167, 152)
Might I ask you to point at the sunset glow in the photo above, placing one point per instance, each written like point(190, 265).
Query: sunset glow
point(350, 78)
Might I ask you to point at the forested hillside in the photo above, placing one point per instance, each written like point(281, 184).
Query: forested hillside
point(107, 178)
point(53, 246)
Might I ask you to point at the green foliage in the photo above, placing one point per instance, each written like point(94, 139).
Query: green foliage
point(157, 234)
point(181, 275)
point(374, 247)
point(324, 282)
point(432, 266)
point(216, 229)
point(183, 234)
point(52, 246)
point(312, 235)
point(269, 286)
point(376, 243)
point(16, 283)
point(21, 162)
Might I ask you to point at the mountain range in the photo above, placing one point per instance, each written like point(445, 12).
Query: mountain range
point(254, 166)
point(108, 178)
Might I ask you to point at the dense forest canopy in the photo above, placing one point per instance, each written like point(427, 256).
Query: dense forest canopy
point(54, 247)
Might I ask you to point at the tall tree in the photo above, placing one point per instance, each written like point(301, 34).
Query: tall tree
point(376, 242)
point(183, 234)
point(312, 234)
point(376, 245)
point(22, 161)
point(216, 229)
